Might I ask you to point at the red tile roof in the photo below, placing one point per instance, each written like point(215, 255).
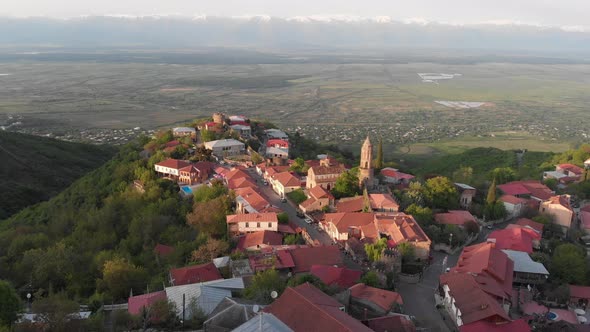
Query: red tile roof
point(193, 274)
point(278, 259)
point(401, 228)
point(530, 223)
point(135, 303)
point(318, 192)
point(532, 188)
point(530, 231)
point(339, 276)
point(276, 141)
point(352, 204)
point(512, 200)
point(584, 219)
point(286, 179)
point(519, 325)
point(163, 250)
point(305, 258)
point(345, 221)
point(173, 163)
point(383, 201)
point(517, 239)
point(395, 174)
point(562, 200)
point(244, 182)
point(305, 308)
point(396, 323)
point(579, 292)
point(455, 217)
point(383, 298)
point(571, 168)
point(250, 195)
point(251, 217)
point(172, 144)
point(492, 267)
point(236, 173)
point(259, 238)
point(475, 303)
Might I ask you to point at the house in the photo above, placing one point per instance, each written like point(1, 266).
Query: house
point(584, 216)
point(392, 323)
point(519, 325)
point(184, 131)
point(461, 218)
point(284, 183)
point(270, 171)
point(243, 130)
point(514, 206)
point(514, 238)
point(306, 308)
point(217, 127)
point(325, 174)
point(263, 322)
point(467, 301)
point(579, 295)
point(170, 168)
point(271, 258)
point(526, 270)
point(587, 163)
point(378, 203)
point(336, 276)
point(229, 314)
point(226, 147)
point(533, 233)
point(272, 152)
point(251, 222)
point(242, 182)
point(559, 207)
point(195, 273)
point(135, 304)
point(234, 174)
point(276, 134)
point(466, 194)
point(378, 301)
point(233, 119)
point(205, 295)
point(570, 170)
point(306, 257)
point(394, 176)
point(248, 200)
point(525, 222)
point(526, 189)
point(397, 228)
point(257, 240)
point(318, 198)
point(491, 268)
point(278, 143)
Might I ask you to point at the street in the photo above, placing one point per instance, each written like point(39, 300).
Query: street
point(290, 209)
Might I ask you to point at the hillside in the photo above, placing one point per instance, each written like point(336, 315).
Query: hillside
point(34, 169)
point(483, 161)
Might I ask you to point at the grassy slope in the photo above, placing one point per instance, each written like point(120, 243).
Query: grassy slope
point(34, 169)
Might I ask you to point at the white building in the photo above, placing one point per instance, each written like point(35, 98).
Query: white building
point(184, 131)
point(276, 134)
point(226, 147)
point(272, 152)
point(243, 131)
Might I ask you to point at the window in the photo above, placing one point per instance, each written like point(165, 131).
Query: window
point(247, 225)
point(258, 224)
point(269, 225)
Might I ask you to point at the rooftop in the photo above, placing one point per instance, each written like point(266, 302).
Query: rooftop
point(339, 276)
point(513, 239)
point(251, 217)
point(305, 258)
point(259, 238)
point(519, 325)
point(305, 308)
point(222, 143)
point(286, 179)
point(173, 163)
point(530, 223)
point(524, 263)
point(193, 274)
point(383, 298)
point(455, 217)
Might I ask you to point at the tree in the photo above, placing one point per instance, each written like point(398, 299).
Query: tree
point(161, 313)
point(299, 166)
point(54, 310)
point(379, 160)
point(347, 184)
point(262, 284)
point(207, 193)
point(120, 277)
point(569, 265)
point(491, 198)
point(413, 195)
point(441, 192)
point(551, 183)
point(310, 278)
point(207, 135)
point(503, 175)
point(9, 304)
point(370, 279)
point(375, 250)
point(407, 251)
point(297, 196)
point(293, 239)
point(283, 218)
point(463, 175)
point(423, 215)
point(209, 216)
point(366, 201)
point(213, 248)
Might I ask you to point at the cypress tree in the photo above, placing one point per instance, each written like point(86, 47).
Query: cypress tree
point(491, 199)
point(379, 160)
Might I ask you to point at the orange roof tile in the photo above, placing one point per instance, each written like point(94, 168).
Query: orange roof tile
point(173, 163)
point(455, 217)
point(287, 179)
point(259, 238)
point(381, 297)
point(252, 217)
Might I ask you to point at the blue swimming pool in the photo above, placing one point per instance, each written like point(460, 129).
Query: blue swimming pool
point(187, 190)
point(552, 316)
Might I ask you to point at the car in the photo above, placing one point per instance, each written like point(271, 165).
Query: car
point(300, 214)
point(284, 200)
point(308, 220)
point(265, 182)
point(448, 269)
point(489, 227)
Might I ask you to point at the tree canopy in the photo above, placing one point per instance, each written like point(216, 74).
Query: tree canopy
point(9, 304)
point(441, 193)
point(569, 264)
point(347, 184)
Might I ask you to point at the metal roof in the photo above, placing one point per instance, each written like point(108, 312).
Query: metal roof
point(524, 263)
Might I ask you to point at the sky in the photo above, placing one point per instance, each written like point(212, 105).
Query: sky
point(569, 13)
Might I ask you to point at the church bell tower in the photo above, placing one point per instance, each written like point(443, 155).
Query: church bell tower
point(366, 169)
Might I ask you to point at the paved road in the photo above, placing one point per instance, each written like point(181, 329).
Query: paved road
point(291, 210)
point(419, 298)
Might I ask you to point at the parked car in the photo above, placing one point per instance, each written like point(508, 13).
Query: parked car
point(284, 200)
point(308, 220)
point(300, 214)
point(265, 183)
point(489, 227)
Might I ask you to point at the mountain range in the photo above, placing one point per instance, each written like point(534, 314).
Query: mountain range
point(295, 33)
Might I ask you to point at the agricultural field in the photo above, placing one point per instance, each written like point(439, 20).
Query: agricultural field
point(545, 105)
